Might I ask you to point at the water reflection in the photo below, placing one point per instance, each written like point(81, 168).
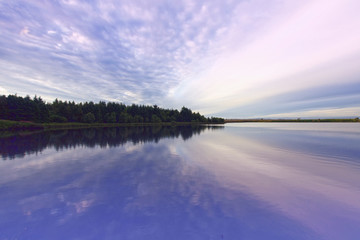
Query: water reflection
point(243, 182)
point(310, 175)
point(19, 145)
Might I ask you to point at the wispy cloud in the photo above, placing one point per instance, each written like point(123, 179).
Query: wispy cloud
point(213, 56)
point(132, 51)
point(300, 47)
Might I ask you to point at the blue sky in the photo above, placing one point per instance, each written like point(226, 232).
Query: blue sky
point(235, 59)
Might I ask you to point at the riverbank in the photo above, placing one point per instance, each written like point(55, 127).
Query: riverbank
point(8, 127)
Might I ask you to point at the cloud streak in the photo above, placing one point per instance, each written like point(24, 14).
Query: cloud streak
point(213, 56)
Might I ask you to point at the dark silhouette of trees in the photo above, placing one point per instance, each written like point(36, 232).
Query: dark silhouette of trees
point(13, 107)
point(17, 108)
point(89, 117)
point(20, 145)
point(186, 115)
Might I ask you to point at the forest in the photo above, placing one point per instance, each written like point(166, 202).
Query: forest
point(17, 108)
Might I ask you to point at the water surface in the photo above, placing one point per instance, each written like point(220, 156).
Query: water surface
point(243, 181)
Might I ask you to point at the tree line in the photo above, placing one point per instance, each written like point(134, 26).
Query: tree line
point(17, 108)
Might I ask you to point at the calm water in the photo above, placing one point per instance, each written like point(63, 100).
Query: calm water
point(243, 181)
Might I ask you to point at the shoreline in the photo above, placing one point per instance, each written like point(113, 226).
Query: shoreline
point(291, 120)
point(9, 128)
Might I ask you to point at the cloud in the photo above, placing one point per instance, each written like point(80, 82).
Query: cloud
point(329, 86)
point(300, 47)
point(320, 113)
point(105, 48)
point(3, 91)
point(212, 56)
point(24, 31)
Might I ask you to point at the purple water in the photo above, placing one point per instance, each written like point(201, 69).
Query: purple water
point(243, 181)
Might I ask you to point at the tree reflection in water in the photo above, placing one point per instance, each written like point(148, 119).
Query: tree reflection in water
point(112, 187)
point(20, 145)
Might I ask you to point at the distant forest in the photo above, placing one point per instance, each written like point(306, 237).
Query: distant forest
point(16, 108)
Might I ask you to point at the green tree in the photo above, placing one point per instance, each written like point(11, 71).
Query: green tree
point(58, 118)
point(110, 117)
point(3, 107)
point(155, 119)
point(185, 115)
point(89, 117)
point(138, 119)
point(13, 107)
point(124, 117)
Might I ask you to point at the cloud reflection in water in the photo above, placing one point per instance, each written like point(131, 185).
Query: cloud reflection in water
point(238, 183)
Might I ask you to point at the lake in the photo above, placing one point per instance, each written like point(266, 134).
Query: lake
point(240, 181)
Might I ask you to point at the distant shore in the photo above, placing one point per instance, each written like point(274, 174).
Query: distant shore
point(292, 120)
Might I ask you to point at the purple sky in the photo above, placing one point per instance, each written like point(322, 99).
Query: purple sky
point(256, 58)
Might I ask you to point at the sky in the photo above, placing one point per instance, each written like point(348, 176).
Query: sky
point(226, 58)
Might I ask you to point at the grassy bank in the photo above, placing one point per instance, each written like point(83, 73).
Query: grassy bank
point(11, 126)
point(6, 125)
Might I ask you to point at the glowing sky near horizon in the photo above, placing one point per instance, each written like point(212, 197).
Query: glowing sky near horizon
point(235, 59)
